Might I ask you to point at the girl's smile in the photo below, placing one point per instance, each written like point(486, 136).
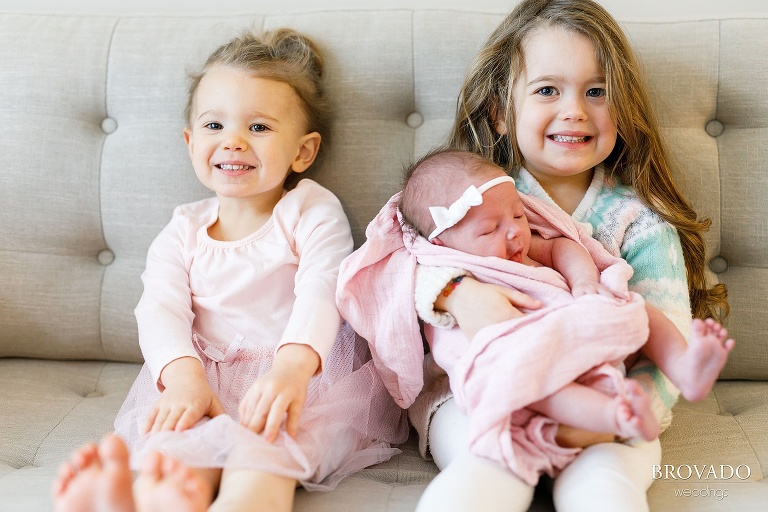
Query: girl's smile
point(568, 139)
point(233, 168)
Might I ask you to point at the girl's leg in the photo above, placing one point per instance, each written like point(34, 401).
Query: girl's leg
point(608, 477)
point(586, 408)
point(467, 482)
point(448, 434)
point(254, 491)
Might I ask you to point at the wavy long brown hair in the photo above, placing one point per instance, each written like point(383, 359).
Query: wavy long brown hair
point(639, 158)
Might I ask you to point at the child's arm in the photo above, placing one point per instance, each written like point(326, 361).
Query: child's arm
point(322, 238)
point(574, 262)
point(164, 317)
point(476, 305)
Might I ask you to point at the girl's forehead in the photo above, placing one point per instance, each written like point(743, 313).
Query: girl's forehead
point(555, 36)
point(550, 51)
point(245, 86)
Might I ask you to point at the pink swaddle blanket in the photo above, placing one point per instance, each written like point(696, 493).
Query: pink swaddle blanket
point(507, 366)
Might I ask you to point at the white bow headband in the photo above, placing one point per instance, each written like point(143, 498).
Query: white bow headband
point(448, 217)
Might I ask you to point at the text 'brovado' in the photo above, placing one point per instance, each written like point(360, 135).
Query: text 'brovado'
point(701, 472)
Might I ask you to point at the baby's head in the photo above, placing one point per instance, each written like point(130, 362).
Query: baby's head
point(463, 201)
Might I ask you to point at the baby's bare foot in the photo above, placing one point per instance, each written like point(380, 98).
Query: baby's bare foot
point(634, 417)
point(95, 479)
point(165, 484)
point(703, 360)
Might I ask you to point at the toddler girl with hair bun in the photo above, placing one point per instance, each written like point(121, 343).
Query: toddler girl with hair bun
point(253, 384)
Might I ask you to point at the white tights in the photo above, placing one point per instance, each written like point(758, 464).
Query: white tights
point(604, 478)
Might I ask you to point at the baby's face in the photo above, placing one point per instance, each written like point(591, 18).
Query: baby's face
point(498, 227)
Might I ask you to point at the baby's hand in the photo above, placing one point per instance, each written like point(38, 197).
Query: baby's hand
point(279, 394)
point(595, 288)
point(184, 401)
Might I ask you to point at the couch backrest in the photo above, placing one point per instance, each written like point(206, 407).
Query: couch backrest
point(93, 157)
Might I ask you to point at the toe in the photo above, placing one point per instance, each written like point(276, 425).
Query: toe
point(112, 449)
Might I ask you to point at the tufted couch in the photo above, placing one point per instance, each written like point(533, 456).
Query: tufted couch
point(93, 162)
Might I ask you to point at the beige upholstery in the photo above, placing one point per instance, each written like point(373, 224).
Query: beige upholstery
point(93, 163)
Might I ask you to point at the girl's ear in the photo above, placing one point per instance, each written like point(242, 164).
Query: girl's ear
point(501, 126)
point(310, 145)
point(499, 119)
point(188, 140)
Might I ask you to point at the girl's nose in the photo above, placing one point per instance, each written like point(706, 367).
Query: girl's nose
point(573, 108)
point(512, 233)
point(234, 142)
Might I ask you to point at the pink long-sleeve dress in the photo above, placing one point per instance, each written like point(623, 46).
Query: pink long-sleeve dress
point(231, 305)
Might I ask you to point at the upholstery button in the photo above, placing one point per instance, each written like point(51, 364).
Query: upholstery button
point(714, 128)
point(718, 264)
point(94, 394)
point(414, 120)
point(106, 257)
point(108, 125)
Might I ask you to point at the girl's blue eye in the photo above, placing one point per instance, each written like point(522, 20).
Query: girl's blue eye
point(547, 91)
point(259, 128)
point(213, 126)
point(596, 92)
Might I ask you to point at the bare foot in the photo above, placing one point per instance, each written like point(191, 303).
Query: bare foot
point(165, 484)
point(699, 366)
point(634, 417)
point(95, 479)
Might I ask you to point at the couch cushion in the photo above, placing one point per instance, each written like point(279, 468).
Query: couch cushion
point(75, 236)
point(50, 152)
point(726, 429)
point(743, 109)
point(48, 408)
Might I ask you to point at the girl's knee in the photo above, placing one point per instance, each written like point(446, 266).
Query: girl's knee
point(448, 434)
point(473, 483)
point(607, 477)
point(254, 491)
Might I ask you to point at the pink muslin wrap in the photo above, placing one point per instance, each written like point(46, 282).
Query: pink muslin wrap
point(506, 366)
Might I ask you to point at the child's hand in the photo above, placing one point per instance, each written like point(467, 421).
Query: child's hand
point(476, 305)
point(186, 399)
point(595, 288)
point(279, 394)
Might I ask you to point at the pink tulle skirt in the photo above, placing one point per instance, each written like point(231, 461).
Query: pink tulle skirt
point(349, 420)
